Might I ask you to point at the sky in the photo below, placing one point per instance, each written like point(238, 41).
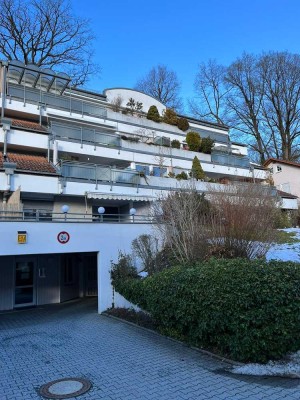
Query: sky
point(133, 36)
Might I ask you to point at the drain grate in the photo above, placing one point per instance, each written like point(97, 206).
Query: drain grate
point(65, 388)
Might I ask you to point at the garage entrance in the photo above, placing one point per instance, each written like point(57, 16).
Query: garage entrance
point(40, 279)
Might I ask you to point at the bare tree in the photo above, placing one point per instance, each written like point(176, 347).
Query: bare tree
point(231, 221)
point(243, 220)
point(48, 34)
point(210, 101)
point(181, 217)
point(146, 248)
point(245, 101)
point(161, 158)
point(117, 103)
point(259, 98)
point(163, 84)
point(280, 73)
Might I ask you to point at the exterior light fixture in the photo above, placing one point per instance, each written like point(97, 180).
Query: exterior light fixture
point(101, 211)
point(132, 212)
point(65, 209)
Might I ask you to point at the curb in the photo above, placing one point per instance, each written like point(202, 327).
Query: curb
point(202, 351)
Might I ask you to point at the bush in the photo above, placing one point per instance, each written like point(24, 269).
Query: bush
point(206, 145)
point(175, 144)
point(283, 220)
point(153, 114)
point(182, 176)
point(197, 170)
point(183, 124)
point(247, 310)
point(193, 140)
point(170, 117)
point(123, 269)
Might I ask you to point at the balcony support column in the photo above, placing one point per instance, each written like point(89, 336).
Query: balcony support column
point(3, 90)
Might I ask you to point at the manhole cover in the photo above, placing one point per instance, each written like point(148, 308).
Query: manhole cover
point(65, 388)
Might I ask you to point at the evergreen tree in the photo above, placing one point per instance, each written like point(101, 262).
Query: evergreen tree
point(197, 170)
point(153, 114)
point(193, 140)
point(170, 117)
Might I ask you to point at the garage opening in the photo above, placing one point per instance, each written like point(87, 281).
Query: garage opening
point(40, 279)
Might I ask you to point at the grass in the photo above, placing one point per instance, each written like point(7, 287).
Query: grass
point(287, 237)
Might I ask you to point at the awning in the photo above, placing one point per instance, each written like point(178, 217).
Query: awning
point(119, 196)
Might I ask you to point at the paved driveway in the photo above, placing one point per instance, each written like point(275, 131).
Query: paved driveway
point(123, 362)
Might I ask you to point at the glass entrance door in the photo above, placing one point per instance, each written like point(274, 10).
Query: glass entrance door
point(24, 283)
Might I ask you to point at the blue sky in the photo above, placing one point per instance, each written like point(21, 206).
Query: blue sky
point(132, 36)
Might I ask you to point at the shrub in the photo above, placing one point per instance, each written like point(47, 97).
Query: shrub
point(170, 117)
point(247, 310)
point(123, 269)
point(283, 220)
point(153, 114)
point(243, 219)
point(133, 106)
point(193, 140)
point(175, 144)
point(182, 176)
point(197, 170)
point(182, 223)
point(206, 145)
point(183, 124)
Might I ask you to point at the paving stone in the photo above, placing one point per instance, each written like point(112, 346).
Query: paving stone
point(122, 362)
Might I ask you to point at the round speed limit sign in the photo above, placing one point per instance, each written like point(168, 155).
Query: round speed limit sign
point(63, 237)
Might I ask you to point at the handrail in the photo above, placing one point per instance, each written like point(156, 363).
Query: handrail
point(50, 216)
point(67, 103)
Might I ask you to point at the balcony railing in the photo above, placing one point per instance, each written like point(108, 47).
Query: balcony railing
point(49, 216)
point(229, 159)
point(98, 173)
point(84, 135)
point(63, 102)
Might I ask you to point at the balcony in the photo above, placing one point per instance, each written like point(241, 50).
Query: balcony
point(98, 173)
point(63, 102)
point(85, 135)
point(229, 159)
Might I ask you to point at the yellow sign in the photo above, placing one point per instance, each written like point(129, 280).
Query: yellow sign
point(22, 237)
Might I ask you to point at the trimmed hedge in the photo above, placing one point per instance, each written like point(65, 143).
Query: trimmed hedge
point(247, 310)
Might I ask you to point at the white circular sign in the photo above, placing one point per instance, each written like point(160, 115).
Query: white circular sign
point(63, 237)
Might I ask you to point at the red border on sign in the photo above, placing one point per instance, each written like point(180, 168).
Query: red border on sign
point(63, 241)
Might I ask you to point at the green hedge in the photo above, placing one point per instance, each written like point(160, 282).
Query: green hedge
point(247, 310)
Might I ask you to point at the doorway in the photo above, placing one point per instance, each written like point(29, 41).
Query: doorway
point(25, 288)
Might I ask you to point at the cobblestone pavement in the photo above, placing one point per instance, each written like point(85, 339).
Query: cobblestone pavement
point(123, 362)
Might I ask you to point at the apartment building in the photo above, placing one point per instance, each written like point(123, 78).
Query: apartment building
point(78, 172)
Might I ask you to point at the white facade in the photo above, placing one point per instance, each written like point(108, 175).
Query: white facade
point(286, 175)
point(65, 146)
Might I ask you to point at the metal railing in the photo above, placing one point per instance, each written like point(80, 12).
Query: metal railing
point(84, 135)
point(98, 173)
point(50, 216)
point(63, 102)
